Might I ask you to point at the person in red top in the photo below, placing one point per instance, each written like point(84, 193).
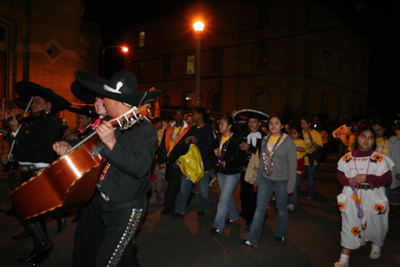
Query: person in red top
point(171, 148)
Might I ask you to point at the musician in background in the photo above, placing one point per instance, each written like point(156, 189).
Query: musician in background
point(86, 116)
point(33, 150)
point(104, 234)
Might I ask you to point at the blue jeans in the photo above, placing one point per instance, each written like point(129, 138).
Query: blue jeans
point(227, 183)
point(265, 190)
point(186, 187)
point(310, 171)
point(292, 199)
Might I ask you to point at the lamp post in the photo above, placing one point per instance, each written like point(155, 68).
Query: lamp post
point(124, 49)
point(198, 29)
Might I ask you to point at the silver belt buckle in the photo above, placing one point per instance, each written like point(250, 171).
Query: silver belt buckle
point(104, 196)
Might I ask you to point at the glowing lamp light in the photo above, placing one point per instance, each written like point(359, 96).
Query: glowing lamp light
point(125, 49)
point(198, 26)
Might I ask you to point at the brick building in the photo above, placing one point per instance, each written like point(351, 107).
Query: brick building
point(254, 54)
point(45, 41)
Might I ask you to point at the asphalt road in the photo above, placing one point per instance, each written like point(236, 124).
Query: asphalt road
point(313, 238)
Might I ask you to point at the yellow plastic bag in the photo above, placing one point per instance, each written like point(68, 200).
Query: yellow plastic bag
point(191, 164)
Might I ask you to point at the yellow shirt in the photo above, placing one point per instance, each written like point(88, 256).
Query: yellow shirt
point(382, 146)
point(310, 148)
point(223, 140)
point(172, 141)
point(324, 136)
point(397, 133)
point(160, 133)
point(300, 143)
point(271, 142)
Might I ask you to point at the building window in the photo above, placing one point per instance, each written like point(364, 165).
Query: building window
point(140, 70)
point(341, 65)
point(262, 102)
point(304, 102)
point(262, 57)
point(263, 15)
point(353, 70)
point(166, 67)
point(215, 104)
point(324, 104)
point(142, 36)
point(327, 54)
point(190, 64)
point(217, 61)
point(339, 107)
point(307, 56)
point(165, 101)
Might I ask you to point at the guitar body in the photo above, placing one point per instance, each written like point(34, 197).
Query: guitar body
point(68, 182)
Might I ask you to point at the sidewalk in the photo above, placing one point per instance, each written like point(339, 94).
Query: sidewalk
point(313, 238)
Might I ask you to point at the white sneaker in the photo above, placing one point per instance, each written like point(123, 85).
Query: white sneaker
point(290, 207)
point(212, 181)
point(341, 264)
point(375, 252)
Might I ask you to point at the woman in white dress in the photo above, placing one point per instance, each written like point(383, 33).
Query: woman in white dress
point(364, 173)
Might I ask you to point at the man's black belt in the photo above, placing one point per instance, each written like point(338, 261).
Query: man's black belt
point(27, 168)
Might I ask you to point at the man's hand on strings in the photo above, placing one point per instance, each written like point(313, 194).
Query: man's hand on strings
point(105, 130)
point(61, 147)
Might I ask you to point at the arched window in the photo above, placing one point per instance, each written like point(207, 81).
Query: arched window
point(339, 107)
point(215, 104)
point(304, 101)
point(324, 104)
point(187, 99)
point(307, 56)
point(165, 101)
point(262, 102)
point(262, 57)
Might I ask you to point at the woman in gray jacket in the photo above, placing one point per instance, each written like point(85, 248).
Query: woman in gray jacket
point(277, 173)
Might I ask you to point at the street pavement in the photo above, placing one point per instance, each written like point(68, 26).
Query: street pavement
point(313, 238)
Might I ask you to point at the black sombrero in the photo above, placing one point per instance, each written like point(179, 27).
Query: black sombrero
point(244, 115)
point(121, 87)
point(85, 110)
point(27, 89)
point(82, 93)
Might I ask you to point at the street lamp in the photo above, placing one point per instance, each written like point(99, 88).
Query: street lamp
point(124, 49)
point(198, 29)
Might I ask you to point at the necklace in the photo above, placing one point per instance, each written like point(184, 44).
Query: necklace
point(173, 136)
point(269, 162)
point(223, 150)
point(357, 200)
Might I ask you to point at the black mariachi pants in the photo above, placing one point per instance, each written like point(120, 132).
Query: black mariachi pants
point(173, 177)
point(104, 233)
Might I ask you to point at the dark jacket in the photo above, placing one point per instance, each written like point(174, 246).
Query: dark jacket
point(34, 144)
point(252, 149)
point(128, 177)
point(205, 139)
point(234, 157)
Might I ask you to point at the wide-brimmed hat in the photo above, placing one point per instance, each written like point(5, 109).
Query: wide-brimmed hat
point(21, 103)
point(85, 110)
point(27, 89)
point(121, 87)
point(244, 115)
point(82, 93)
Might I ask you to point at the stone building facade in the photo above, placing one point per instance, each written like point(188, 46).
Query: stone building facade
point(45, 41)
point(258, 54)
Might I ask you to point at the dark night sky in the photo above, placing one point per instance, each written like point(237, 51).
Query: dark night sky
point(376, 20)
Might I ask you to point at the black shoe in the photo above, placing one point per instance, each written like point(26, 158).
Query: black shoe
point(246, 243)
point(215, 231)
point(279, 238)
point(229, 221)
point(166, 211)
point(24, 234)
point(36, 257)
point(175, 214)
point(77, 218)
point(61, 222)
point(9, 213)
point(201, 213)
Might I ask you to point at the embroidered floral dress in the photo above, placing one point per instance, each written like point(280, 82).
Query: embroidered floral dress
point(373, 203)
